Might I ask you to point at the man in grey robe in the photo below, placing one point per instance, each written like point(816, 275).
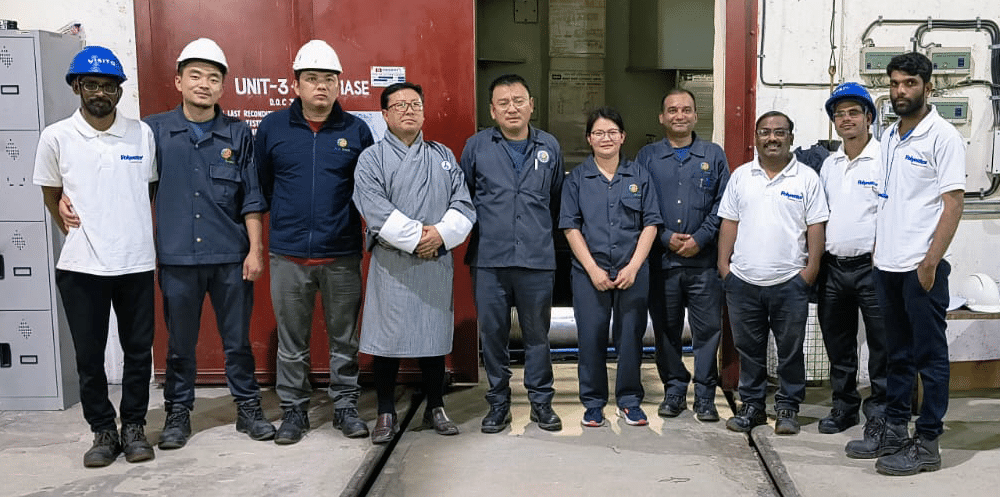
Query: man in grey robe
point(413, 197)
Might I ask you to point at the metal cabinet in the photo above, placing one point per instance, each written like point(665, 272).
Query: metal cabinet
point(37, 367)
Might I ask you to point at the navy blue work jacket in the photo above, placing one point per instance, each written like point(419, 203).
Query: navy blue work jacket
point(308, 179)
point(516, 210)
point(689, 192)
point(609, 214)
point(207, 185)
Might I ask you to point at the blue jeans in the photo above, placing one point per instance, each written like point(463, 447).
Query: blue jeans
point(530, 291)
point(915, 334)
point(184, 289)
point(593, 310)
point(700, 291)
point(753, 312)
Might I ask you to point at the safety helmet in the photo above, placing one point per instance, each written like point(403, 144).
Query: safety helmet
point(316, 54)
point(95, 60)
point(204, 49)
point(850, 91)
point(980, 292)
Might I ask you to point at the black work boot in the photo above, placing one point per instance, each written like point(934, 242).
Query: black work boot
point(104, 451)
point(672, 406)
point(294, 424)
point(918, 454)
point(705, 411)
point(497, 419)
point(747, 418)
point(880, 438)
point(176, 428)
point(838, 421)
point(547, 419)
point(250, 420)
point(787, 422)
point(349, 422)
point(134, 444)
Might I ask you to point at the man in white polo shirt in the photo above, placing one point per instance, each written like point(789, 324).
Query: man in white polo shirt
point(104, 162)
point(846, 277)
point(920, 205)
point(770, 244)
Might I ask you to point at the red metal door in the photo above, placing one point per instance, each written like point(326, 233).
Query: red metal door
point(433, 40)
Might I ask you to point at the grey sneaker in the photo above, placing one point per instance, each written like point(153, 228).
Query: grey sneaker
point(250, 420)
point(918, 454)
point(350, 424)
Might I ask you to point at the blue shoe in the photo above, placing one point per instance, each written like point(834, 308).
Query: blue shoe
point(593, 417)
point(633, 415)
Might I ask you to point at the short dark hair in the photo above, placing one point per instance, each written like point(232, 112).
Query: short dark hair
point(393, 88)
point(507, 79)
point(913, 63)
point(609, 113)
point(184, 63)
point(678, 91)
point(775, 113)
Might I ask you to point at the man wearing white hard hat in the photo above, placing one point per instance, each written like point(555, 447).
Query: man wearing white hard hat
point(209, 239)
point(105, 163)
point(306, 155)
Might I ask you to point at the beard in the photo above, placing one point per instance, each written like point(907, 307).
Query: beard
point(99, 107)
point(906, 107)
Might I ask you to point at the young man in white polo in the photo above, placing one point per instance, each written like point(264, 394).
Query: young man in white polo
point(770, 243)
point(920, 204)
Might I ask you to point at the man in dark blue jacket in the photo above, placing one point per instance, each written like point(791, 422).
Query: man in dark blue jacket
point(306, 156)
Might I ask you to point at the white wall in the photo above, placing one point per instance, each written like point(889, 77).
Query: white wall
point(797, 49)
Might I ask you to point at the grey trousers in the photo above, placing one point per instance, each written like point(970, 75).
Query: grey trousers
point(293, 295)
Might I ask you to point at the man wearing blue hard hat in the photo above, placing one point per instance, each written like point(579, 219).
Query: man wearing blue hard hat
point(846, 282)
point(105, 163)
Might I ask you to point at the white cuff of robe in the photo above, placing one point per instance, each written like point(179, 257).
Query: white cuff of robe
point(401, 232)
point(453, 228)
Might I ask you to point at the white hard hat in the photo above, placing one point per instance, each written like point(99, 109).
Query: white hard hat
point(204, 49)
point(317, 54)
point(980, 292)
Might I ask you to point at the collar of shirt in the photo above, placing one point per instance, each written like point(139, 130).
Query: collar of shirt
point(920, 129)
point(696, 149)
point(590, 169)
point(869, 153)
point(401, 148)
point(791, 169)
point(334, 120)
point(118, 128)
point(532, 136)
point(178, 124)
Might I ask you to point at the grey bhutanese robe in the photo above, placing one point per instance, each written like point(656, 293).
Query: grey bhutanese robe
point(409, 309)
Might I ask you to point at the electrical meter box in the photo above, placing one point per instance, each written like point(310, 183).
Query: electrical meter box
point(953, 109)
point(37, 362)
point(875, 59)
point(951, 61)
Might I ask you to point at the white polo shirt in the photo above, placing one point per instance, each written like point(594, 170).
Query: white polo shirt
point(916, 171)
point(773, 215)
point(106, 174)
point(850, 187)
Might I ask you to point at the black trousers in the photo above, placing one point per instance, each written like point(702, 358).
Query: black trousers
point(846, 285)
point(88, 299)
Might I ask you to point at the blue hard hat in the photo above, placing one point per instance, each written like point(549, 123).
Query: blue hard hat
point(95, 60)
point(850, 91)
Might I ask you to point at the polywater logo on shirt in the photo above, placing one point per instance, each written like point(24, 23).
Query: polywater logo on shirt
point(793, 196)
point(131, 158)
point(916, 160)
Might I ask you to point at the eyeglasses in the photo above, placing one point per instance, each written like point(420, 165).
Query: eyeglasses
point(777, 132)
point(402, 107)
point(518, 103)
point(614, 134)
point(853, 113)
point(107, 88)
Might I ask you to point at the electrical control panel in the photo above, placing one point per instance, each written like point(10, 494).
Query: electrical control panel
point(951, 60)
point(875, 59)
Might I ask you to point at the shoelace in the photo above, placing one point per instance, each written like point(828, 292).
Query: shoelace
point(294, 416)
point(251, 410)
point(874, 426)
point(132, 433)
point(106, 438)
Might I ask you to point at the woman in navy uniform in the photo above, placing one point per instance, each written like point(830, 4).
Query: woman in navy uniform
point(610, 216)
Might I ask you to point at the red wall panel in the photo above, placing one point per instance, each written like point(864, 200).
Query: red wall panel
point(433, 39)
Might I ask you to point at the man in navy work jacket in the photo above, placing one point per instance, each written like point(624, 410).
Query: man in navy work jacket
point(209, 239)
point(306, 155)
point(690, 175)
point(515, 174)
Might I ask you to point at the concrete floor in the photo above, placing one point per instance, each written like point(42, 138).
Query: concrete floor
point(41, 453)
